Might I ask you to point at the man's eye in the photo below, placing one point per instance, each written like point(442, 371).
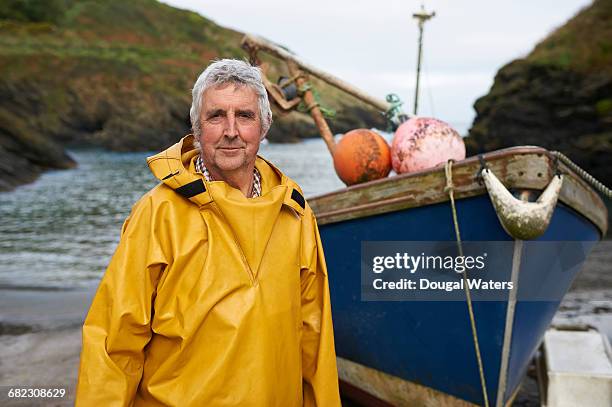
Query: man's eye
point(245, 115)
point(215, 116)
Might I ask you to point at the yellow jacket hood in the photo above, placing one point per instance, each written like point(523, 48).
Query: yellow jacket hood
point(175, 168)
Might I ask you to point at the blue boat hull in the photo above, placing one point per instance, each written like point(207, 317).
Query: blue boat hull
point(430, 343)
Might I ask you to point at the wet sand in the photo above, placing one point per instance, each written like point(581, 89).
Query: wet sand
point(40, 336)
point(40, 342)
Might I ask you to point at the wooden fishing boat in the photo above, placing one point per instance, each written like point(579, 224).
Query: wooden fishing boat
point(417, 353)
point(466, 351)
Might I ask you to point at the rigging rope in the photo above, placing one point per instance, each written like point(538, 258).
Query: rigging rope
point(302, 107)
point(428, 86)
point(607, 192)
point(448, 171)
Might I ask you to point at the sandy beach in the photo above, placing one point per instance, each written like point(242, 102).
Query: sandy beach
point(40, 335)
point(40, 341)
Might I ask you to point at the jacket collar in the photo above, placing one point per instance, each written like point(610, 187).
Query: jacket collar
point(172, 167)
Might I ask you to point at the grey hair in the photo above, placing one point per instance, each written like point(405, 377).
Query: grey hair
point(226, 71)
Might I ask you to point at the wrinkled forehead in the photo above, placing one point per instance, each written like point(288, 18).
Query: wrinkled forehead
point(232, 94)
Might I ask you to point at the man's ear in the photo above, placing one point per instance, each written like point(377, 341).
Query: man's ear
point(196, 142)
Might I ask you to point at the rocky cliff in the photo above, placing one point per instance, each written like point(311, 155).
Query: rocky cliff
point(113, 74)
point(558, 97)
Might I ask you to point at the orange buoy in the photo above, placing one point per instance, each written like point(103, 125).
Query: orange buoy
point(362, 155)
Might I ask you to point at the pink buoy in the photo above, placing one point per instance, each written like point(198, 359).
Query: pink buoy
point(424, 142)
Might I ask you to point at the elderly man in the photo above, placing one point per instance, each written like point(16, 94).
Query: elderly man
point(217, 294)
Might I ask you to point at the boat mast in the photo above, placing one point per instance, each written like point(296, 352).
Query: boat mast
point(422, 17)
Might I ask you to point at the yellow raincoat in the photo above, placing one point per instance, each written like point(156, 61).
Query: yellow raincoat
point(212, 299)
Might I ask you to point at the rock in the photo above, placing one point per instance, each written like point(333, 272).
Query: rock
point(24, 153)
point(550, 107)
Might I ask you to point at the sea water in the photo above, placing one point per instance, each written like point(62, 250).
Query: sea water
point(61, 231)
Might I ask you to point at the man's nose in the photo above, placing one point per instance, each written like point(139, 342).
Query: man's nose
point(231, 127)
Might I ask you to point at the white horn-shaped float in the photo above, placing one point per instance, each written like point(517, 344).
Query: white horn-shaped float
point(520, 219)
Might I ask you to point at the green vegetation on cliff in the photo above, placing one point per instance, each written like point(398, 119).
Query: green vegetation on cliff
point(115, 74)
point(583, 44)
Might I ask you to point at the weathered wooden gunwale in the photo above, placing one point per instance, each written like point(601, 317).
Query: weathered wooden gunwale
point(394, 390)
point(518, 168)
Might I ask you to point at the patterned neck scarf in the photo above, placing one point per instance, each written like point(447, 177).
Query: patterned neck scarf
point(201, 169)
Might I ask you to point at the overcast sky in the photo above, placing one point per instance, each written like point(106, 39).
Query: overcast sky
point(373, 44)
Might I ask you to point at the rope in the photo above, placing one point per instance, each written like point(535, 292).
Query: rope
point(607, 192)
point(448, 170)
point(428, 86)
point(302, 107)
point(289, 81)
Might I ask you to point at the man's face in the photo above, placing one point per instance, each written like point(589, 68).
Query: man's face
point(231, 127)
